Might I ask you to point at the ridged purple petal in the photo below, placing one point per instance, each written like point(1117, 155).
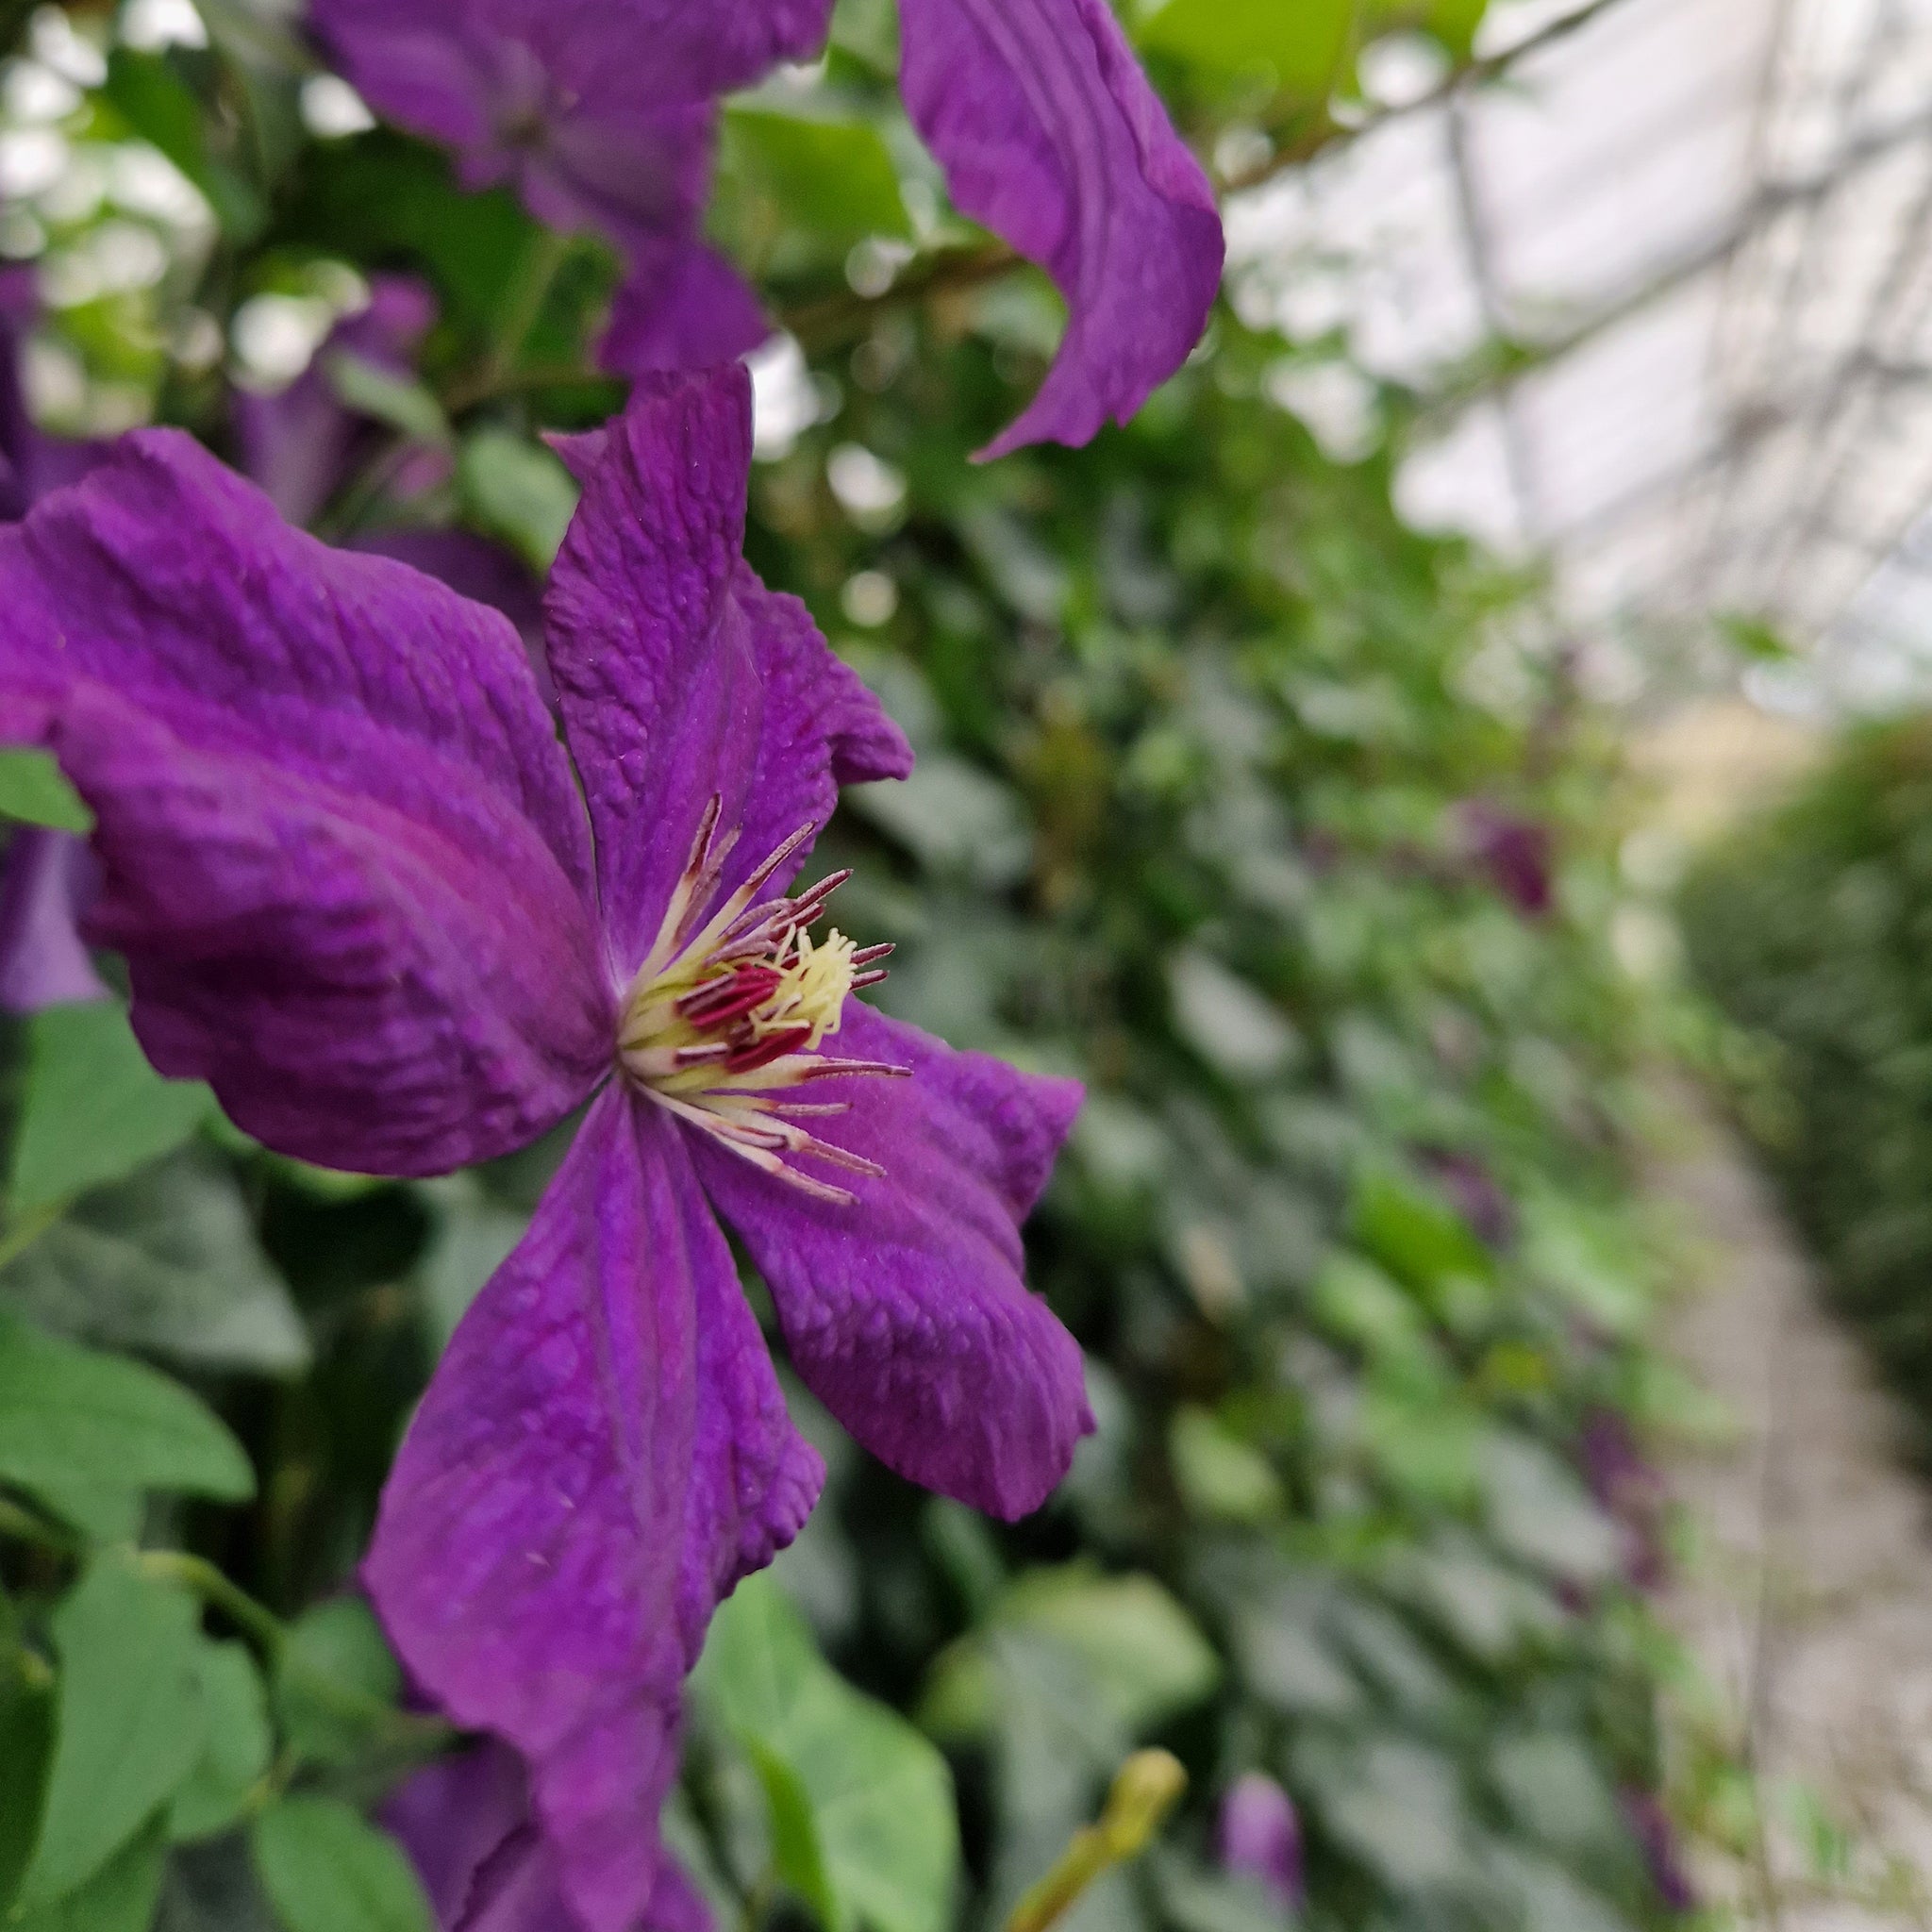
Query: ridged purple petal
point(340, 845)
point(1050, 135)
point(680, 675)
point(906, 1312)
point(603, 1452)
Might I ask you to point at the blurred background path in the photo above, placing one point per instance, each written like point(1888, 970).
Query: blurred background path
point(1806, 1592)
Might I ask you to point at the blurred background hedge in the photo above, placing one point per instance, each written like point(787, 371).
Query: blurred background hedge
point(1810, 928)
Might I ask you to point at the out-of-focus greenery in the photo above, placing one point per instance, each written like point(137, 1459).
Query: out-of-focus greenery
point(1213, 751)
point(1809, 927)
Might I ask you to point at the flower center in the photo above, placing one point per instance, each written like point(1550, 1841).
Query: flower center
point(732, 1005)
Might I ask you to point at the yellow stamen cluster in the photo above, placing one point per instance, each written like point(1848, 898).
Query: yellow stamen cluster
point(811, 990)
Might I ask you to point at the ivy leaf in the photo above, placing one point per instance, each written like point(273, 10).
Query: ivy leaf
point(326, 1869)
point(68, 1415)
point(238, 1747)
point(26, 1751)
point(93, 1109)
point(120, 1897)
point(335, 1679)
point(166, 1261)
point(1300, 47)
point(518, 491)
point(129, 1722)
point(861, 1804)
point(807, 187)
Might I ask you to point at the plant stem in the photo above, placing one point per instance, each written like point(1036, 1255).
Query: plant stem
point(24, 1526)
point(537, 272)
point(214, 1587)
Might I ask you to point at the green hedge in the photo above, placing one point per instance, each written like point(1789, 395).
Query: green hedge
point(1812, 929)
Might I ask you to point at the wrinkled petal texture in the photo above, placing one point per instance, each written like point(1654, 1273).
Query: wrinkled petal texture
point(905, 1313)
point(680, 675)
point(1051, 136)
point(603, 1451)
point(340, 845)
point(45, 879)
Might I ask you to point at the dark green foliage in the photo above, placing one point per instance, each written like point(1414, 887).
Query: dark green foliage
point(1810, 928)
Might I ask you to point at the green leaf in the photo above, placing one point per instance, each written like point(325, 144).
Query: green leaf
point(161, 108)
point(517, 490)
point(823, 184)
point(399, 401)
point(865, 1804)
point(1146, 1657)
point(93, 1109)
point(238, 1748)
point(326, 1869)
point(798, 1856)
point(34, 790)
point(1539, 1511)
point(1219, 1474)
point(1423, 1242)
point(120, 1897)
point(130, 1722)
point(1300, 46)
point(68, 1415)
point(334, 1680)
point(165, 1262)
point(27, 1753)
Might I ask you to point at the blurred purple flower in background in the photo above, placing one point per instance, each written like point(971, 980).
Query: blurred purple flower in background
point(31, 461)
point(1474, 1191)
point(1260, 1838)
point(1663, 1852)
point(1632, 1489)
point(301, 442)
point(361, 891)
point(1515, 853)
point(603, 117)
point(45, 883)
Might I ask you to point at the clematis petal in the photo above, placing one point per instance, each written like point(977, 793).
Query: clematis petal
point(44, 879)
point(680, 675)
point(1050, 134)
point(681, 306)
point(425, 63)
point(338, 842)
point(602, 1453)
point(905, 1312)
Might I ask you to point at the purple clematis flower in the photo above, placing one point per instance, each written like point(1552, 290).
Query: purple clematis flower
point(1037, 109)
point(363, 893)
point(563, 103)
point(1260, 1838)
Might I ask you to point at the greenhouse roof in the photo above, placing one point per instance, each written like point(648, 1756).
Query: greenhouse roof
point(1663, 269)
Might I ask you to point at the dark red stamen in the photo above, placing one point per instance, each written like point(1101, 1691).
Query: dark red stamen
point(761, 1053)
point(736, 994)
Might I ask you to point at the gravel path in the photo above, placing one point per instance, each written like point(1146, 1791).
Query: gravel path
point(1806, 1593)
